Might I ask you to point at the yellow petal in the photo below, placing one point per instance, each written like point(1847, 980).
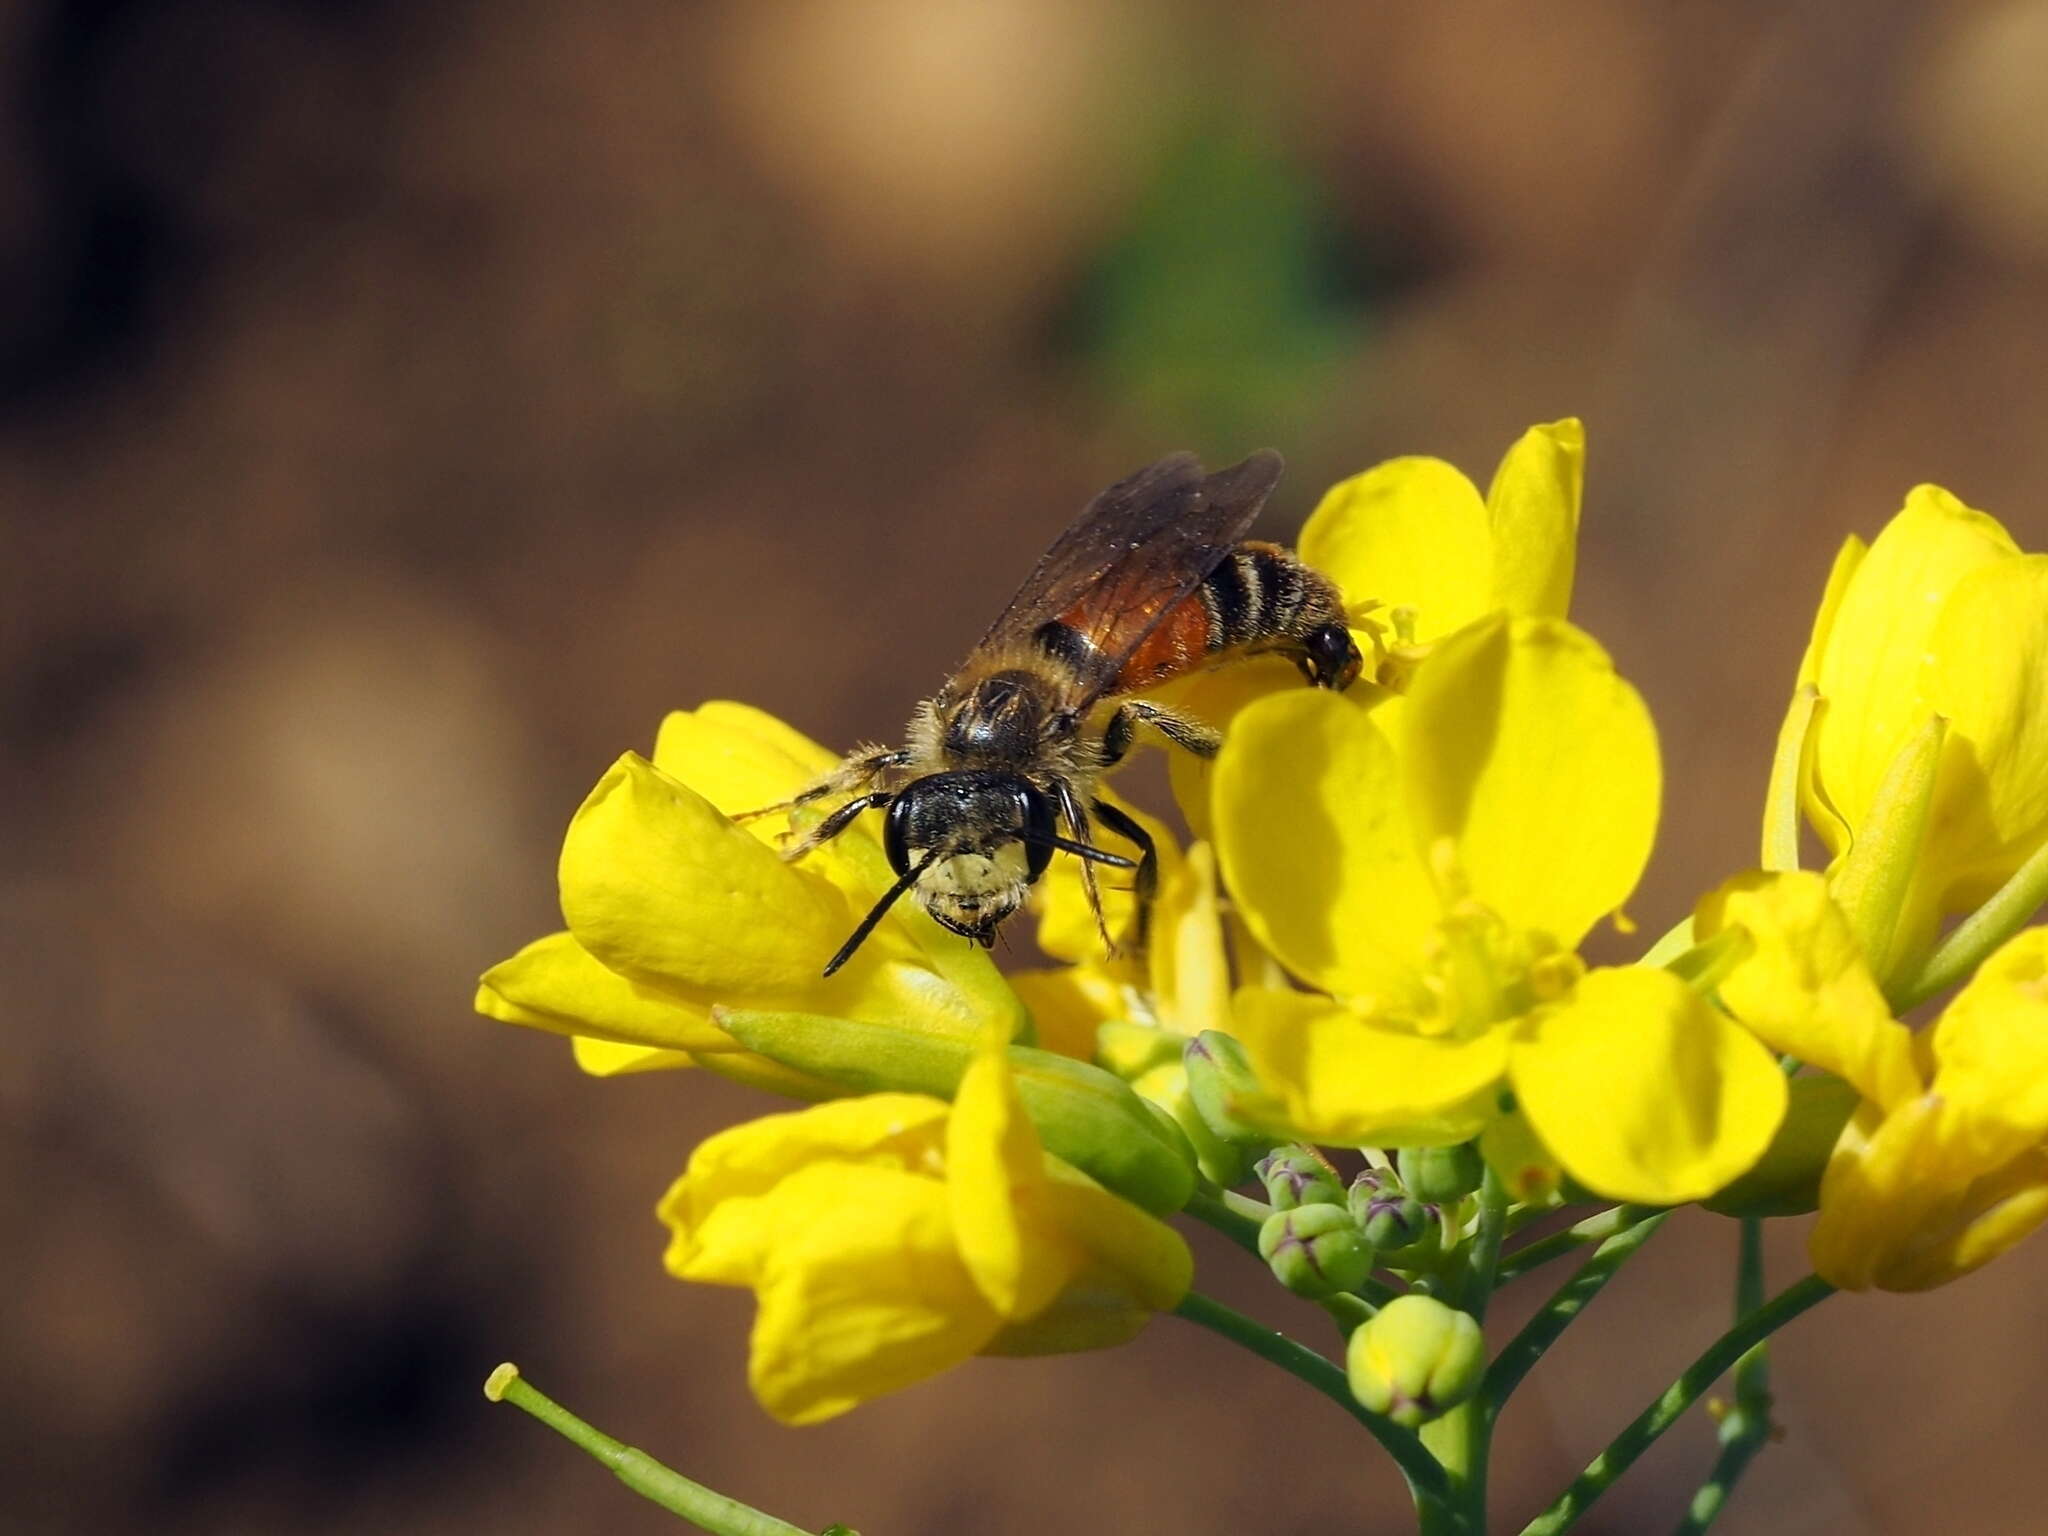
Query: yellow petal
point(1847, 559)
point(1189, 959)
point(1217, 698)
point(1882, 1185)
point(1874, 665)
point(1410, 533)
point(1987, 1219)
point(1341, 1079)
point(610, 1058)
point(994, 1168)
point(1989, 653)
point(1317, 850)
point(1645, 1092)
point(1991, 1050)
point(1523, 747)
point(1804, 988)
point(664, 890)
point(1533, 506)
point(1131, 1266)
point(554, 984)
point(861, 1293)
point(738, 757)
point(904, 1131)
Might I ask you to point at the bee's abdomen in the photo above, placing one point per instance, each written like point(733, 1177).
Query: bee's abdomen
point(1260, 598)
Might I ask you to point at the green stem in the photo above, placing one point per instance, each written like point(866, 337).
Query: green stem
point(1425, 1478)
point(701, 1506)
point(1746, 1427)
point(1463, 1438)
point(2005, 914)
point(1223, 1210)
point(1671, 1404)
point(1596, 1228)
point(1542, 1330)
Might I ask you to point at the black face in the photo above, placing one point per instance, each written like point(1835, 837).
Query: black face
point(970, 812)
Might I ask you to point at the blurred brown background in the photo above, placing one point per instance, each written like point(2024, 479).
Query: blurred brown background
point(405, 405)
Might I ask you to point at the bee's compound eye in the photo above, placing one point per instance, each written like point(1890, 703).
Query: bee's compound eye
point(1035, 808)
point(895, 826)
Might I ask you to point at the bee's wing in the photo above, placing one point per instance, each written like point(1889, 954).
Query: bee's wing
point(1137, 549)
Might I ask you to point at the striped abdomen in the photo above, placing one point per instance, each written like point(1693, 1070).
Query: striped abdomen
point(1259, 599)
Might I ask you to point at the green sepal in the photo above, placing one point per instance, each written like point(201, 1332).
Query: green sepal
point(1220, 1075)
point(1870, 881)
point(1084, 1115)
point(1416, 1359)
point(1786, 1179)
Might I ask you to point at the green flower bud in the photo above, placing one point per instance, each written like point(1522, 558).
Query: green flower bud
point(1298, 1175)
point(1440, 1175)
point(1786, 1180)
point(1389, 1218)
point(1218, 1073)
point(1415, 1359)
point(1314, 1250)
point(1132, 1050)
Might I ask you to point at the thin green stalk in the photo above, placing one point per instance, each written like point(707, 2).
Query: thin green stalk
point(1746, 1427)
point(1596, 1228)
point(1671, 1404)
point(1221, 1209)
point(1542, 1330)
point(2009, 910)
point(1425, 1478)
point(702, 1507)
point(1463, 1438)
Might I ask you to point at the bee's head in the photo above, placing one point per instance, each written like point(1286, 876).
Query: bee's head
point(979, 839)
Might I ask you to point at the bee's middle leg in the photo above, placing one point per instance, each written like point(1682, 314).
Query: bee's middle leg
point(1189, 734)
point(838, 822)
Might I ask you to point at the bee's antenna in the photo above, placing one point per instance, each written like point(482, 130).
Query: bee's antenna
point(880, 910)
point(1067, 845)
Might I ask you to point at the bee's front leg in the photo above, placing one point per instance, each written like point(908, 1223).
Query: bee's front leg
point(856, 775)
point(1146, 882)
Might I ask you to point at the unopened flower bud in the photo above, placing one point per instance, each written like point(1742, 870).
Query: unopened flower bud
point(1314, 1250)
point(1298, 1175)
point(1440, 1174)
point(1219, 1073)
point(1389, 1218)
point(1415, 1359)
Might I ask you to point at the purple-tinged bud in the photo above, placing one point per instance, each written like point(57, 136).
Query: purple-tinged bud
point(1314, 1250)
point(1298, 1175)
point(1440, 1175)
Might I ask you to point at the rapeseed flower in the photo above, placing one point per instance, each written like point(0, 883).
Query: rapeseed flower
point(1944, 1164)
point(1931, 639)
point(673, 910)
point(890, 1237)
point(1430, 870)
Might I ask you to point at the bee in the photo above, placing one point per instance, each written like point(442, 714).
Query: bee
point(1152, 581)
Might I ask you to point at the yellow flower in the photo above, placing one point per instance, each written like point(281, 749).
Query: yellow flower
point(1940, 618)
point(1944, 1164)
point(673, 909)
point(890, 1237)
point(1413, 537)
point(1432, 868)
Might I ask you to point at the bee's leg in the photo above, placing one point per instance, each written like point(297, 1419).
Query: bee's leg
point(838, 822)
point(1146, 881)
point(858, 772)
point(1189, 734)
point(1077, 820)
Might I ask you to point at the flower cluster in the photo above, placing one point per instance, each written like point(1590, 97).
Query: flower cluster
point(1370, 945)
